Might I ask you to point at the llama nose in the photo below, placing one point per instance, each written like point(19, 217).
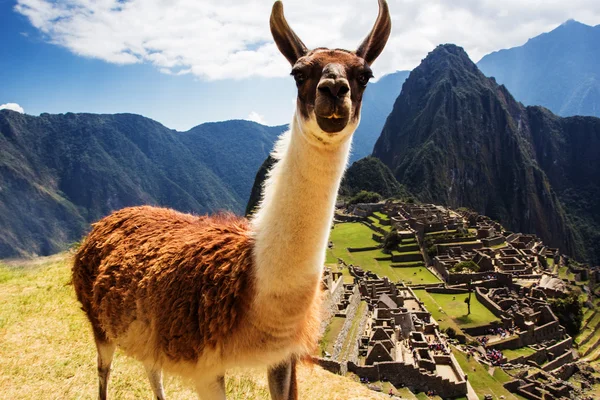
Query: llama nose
point(334, 87)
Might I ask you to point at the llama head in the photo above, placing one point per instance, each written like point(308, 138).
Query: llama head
point(330, 82)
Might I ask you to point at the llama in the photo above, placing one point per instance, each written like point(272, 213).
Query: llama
point(197, 295)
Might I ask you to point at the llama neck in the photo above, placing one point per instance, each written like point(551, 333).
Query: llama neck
point(292, 224)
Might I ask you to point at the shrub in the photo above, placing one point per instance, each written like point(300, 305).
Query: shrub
point(365, 197)
point(451, 332)
point(465, 266)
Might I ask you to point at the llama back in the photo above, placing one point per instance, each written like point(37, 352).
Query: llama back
point(183, 280)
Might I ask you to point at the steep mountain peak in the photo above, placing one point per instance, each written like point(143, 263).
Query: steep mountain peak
point(447, 55)
point(458, 138)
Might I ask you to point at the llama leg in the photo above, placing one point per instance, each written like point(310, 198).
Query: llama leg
point(155, 377)
point(106, 350)
point(214, 390)
point(282, 381)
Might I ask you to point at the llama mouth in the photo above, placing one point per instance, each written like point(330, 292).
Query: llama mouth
point(332, 123)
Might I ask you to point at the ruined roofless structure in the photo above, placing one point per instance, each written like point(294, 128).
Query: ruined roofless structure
point(199, 295)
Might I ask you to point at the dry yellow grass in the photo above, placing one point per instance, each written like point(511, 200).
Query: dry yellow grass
point(47, 350)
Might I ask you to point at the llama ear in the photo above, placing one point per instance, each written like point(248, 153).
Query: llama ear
point(287, 41)
point(374, 43)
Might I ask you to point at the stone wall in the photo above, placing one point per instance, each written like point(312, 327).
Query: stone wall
point(400, 375)
point(332, 366)
point(489, 304)
point(353, 352)
point(353, 303)
point(401, 257)
point(559, 361)
point(493, 241)
point(348, 218)
point(443, 290)
point(357, 249)
point(330, 304)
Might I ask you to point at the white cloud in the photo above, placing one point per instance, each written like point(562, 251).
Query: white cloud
point(12, 106)
point(256, 117)
point(219, 39)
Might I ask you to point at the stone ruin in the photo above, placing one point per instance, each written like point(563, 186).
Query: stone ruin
point(398, 341)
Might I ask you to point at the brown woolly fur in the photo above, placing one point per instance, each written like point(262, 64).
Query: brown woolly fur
point(184, 280)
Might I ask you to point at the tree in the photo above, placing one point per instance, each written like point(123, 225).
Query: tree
point(465, 265)
point(365, 197)
point(468, 299)
point(391, 241)
point(569, 311)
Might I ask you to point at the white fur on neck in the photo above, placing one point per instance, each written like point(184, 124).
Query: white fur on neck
point(292, 224)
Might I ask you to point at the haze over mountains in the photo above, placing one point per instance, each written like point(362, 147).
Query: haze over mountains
point(558, 70)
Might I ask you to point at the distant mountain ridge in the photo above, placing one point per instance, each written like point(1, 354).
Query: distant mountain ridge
point(60, 172)
point(458, 138)
point(558, 70)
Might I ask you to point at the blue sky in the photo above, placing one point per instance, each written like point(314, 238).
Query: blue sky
point(185, 62)
point(42, 77)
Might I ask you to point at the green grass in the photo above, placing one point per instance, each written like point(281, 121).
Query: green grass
point(329, 338)
point(367, 261)
point(381, 215)
point(352, 234)
point(442, 319)
point(47, 350)
point(378, 224)
point(516, 353)
point(482, 382)
point(454, 308)
point(353, 332)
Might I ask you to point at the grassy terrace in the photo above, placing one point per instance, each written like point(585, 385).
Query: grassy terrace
point(332, 331)
point(353, 333)
point(346, 235)
point(47, 350)
point(381, 215)
point(516, 353)
point(483, 383)
point(352, 234)
point(378, 224)
point(455, 310)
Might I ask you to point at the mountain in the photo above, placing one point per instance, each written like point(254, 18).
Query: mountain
point(372, 175)
point(557, 70)
point(58, 173)
point(378, 101)
point(458, 138)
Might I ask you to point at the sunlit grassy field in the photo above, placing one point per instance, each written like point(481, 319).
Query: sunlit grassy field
point(352, 234)
point(483, 383)
point(454, 307)
point(346, 235)
point(47, 350)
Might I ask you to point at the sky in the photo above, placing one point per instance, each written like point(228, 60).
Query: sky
point(185, 62)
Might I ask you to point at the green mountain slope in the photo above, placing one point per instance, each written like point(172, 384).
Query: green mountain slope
point(58, 173)
point(458, 138)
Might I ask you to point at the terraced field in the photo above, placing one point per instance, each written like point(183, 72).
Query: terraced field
point(451, 311)
point(589, 338)
point(356, 235)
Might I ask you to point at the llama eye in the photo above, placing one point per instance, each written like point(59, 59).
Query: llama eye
point(363, 79)
point(299, 77)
